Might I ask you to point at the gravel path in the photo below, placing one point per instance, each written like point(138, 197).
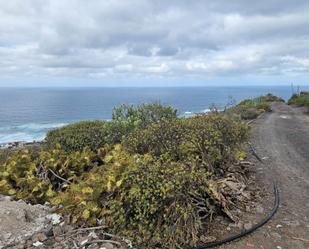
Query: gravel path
point(281, 138)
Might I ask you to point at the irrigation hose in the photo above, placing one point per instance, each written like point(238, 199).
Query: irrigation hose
point(245, 232)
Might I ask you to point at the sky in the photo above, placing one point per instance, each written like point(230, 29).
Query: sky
point(153, 42)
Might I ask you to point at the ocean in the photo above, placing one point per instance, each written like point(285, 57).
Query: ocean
point(26, 114)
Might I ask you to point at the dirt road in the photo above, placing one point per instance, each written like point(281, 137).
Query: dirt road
point(281, 138)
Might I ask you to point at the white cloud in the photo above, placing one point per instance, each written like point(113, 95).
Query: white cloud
point(142, 38)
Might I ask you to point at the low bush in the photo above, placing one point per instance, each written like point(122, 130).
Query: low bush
point(271, 98)
point(158, 139)
point(210, 138)
point(159, 187)
point(127, 118)
point(95, 134)
point(38, 176)
point(252, 108)
point(299, 100)
point(77, 136)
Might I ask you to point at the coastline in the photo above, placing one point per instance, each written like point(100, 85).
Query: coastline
point(19, 144)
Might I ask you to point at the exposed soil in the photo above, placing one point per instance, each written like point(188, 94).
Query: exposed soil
point(281, 139)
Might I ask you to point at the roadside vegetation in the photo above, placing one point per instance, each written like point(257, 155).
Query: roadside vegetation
point(301, 99)
point(252, 108)
point(147, 174)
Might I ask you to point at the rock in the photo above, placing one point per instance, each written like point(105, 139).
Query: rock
point(49, 231)
point(259, 209)
point(240, 225)
point(37, 244)
point(54, 218)
point(276, 235)
point(248, 225)
point(292, 223)
point(39, 237)
point(107, 246)
point(57, 231)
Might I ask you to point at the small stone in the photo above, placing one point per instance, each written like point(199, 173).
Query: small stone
point(276, 235)
point(38, 243)
point(49, 231)
point(259, 209)
point(278, 226)
point(7, 235)
point(240, 225)
point(39, 237)
point(292, 223)
point(248, 225)
point(108, 246)
point(83, 242)
point(57, 231)
point(54, 218)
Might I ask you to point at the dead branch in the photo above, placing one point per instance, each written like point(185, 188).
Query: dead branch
point(59, 177)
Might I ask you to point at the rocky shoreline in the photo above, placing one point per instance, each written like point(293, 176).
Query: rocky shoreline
point(18, 144)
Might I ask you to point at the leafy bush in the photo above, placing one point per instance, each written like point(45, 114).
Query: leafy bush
point(157, 204)
point(127, 118)
point(158, 139)
point(36, 177)
point(144, 114)
point(214, 139)
point(252, 108)
point(209, 138)
point(159, 187)
point(77, 136)
point(299, 100)
point(270, 98)
point(95, 134)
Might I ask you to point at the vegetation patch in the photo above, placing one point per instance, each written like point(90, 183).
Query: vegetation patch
point(252, 108)
point(95, 134)
point(148, 175)
point(301, 99)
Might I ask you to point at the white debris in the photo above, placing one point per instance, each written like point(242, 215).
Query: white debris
point(84, 242)
point(93, 235)
point(54, 218)
point(38, 243)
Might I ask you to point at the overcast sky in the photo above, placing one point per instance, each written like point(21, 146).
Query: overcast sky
point(149, 42)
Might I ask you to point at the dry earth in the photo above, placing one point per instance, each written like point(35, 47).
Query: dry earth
point(281, 139)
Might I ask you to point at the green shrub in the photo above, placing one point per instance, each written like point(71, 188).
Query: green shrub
point(158, 139)
point(77, 136)
point(270, 98)
point(210, 138)
point(95, 134)
point(159, 187)
point(213, 139)
point(299, 100)
point(144, 114)
point(156, 204)
point(252, 108)
point(36, 176)
point(264, 106)
point(127, 118)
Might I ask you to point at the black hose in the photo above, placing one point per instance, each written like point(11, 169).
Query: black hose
point(245, 232)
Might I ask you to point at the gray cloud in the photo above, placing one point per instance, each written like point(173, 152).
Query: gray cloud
point(165, 39)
